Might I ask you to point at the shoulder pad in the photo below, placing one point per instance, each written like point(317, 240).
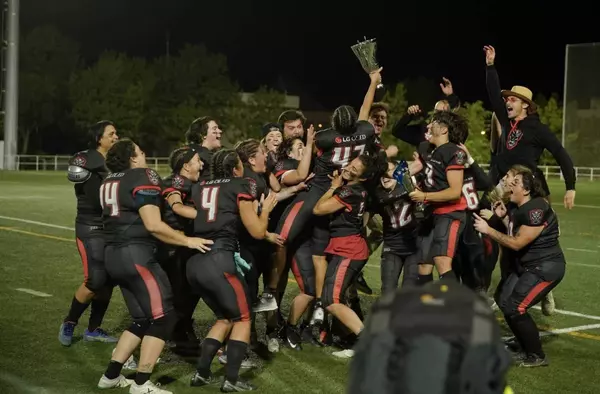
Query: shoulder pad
point(78, 174)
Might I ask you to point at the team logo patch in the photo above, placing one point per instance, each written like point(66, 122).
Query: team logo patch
point(338, 140)
point(513, 138)
point(536, 216)
point(345, 192)
point(153, 176)
point(279, 166)
point(79, 161)
point(461, 157)
point(253, 188)
point(178, 182)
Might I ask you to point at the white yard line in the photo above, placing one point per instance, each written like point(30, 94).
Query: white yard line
point(570, 313)
point(566, 330)
point(44, 224)
point(582, 250)
point(34, 292)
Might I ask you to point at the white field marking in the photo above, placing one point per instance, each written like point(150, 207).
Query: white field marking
point(578, 206)
point(37, 223)
point(570, 313)
point(565, 330)
point(22, 385)
point(25, 198)
point(34, 292)
point(582, 250)
point(585, 265)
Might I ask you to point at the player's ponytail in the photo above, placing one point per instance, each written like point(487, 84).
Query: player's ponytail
point(223, 163)
point(344, 119)
point(247, 149)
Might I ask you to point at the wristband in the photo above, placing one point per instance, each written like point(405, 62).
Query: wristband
point(175, 203)
point(471, 161)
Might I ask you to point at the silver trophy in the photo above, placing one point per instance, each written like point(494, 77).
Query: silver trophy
point(409, 183)
point(366, 52)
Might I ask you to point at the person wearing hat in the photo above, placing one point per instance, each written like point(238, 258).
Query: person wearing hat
point(524, 137)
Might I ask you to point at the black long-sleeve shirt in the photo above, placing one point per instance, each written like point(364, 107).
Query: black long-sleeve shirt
point(524, 141)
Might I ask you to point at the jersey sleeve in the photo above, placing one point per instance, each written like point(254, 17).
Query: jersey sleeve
point(243, 190)
point(536, 213)
point(146, 189)
point(253, 188)
point(283, 167)
point(348, 197)
point(82, 165)
point(176, 184)
point(456, 159)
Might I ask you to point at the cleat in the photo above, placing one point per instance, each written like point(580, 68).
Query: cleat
point(247, 363)
point(147, 388)
point(199, 381)
point(548, 304)
point(266, 303)
point(119, 381)
point(98, 335)
point(306, 333)
point(238, 386)
point(348, 353)
point(293, 339)
point(318, 315)
point(362, 285)
point(65, 334)
point(533, 360)
point(512, 345)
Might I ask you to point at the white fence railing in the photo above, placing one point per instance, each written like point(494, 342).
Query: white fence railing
point(161, 164)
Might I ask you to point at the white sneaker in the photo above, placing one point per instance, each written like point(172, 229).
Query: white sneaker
point(147, 388)
point(273, 345)
point(119, 381)
point(130, 364)
point(348, 353)
point(266, 303)
point(548, 304)
point(318, 316)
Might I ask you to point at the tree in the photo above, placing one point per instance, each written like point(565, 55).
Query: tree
point(477, 143)
point(251, 112)
point(396, 99)
point(192, 84)
point(551, 114)
point(47, 59)
point(117, 88)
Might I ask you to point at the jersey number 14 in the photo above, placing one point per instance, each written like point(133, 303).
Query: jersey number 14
point(109, 197)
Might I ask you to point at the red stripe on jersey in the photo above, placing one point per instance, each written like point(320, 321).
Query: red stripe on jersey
point(452, 206)
point(169, 190)
point(84, 258)
point(156, 304)
point(240, 296)
point(454, 167)
point(348, 206)
point(297, 274)
point(452, 238)
point(244, 197)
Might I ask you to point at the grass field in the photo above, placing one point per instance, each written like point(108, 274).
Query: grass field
point(37, 252)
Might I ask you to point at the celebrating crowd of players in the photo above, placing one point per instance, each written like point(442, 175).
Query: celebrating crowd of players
point(303, 200)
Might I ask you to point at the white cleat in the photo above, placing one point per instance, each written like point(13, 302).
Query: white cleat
point(266, 303)
point(119, 381)
point(273, 345)
point(318, 316)
point(548, 305)
point(348, 353)
point(147, 388)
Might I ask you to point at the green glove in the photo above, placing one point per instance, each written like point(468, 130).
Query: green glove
point(240, 264)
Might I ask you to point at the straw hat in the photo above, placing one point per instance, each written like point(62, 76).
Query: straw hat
point(523, 93)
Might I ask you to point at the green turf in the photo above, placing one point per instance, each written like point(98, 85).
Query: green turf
point(45, 259)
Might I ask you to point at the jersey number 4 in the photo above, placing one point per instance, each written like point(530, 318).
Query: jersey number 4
point(209, 202)
point(109, 197)
point(341, 154)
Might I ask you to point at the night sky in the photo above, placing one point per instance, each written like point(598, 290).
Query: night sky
point(303, 46)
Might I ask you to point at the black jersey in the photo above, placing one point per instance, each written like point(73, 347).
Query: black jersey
point(537, 212)
point(399, 222)
point(206, 158)
point(258, 187)
point(122, 194)
point(437, 161)
point(349, 221)
point(335, 150)
point(176, 183)
point(218, 210)
point(86, 171)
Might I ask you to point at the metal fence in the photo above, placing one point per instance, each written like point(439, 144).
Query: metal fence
point(161, 164)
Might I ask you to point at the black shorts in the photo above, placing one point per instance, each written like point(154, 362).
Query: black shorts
point(214, 277)
point(298, 216)
point(341, 273)
point(303, 267)
point(259, 257)
point(144, 284)
point(446, 233)
point(90, 244)
point(392, 265)
point(518, 292)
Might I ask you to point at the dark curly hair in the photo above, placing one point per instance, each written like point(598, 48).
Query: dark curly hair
point(96, 131)
point(181, 156)
point(118, 156)
point(530, 183)
point(198, 130)
point(344, 119)
point(223, 163)
point(376, 165)
point(247, 149)
point(284, 150)
point(290, 116)
point(458, 128)
point(379, 106)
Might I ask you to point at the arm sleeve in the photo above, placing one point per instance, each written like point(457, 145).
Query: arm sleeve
point(549, 142)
